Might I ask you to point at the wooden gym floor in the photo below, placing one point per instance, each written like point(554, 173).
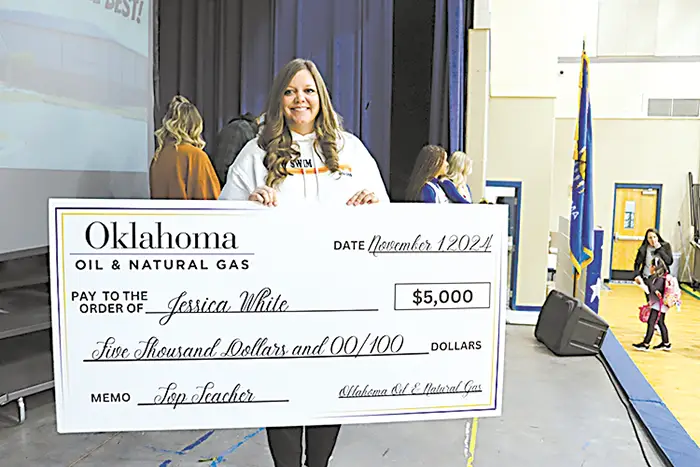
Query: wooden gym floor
point(675, 375)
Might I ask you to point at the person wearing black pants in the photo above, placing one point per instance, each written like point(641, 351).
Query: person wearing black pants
point(286, 446)
point(656, 282)
point(302, 156)
point(665, 344)
point(652, 245)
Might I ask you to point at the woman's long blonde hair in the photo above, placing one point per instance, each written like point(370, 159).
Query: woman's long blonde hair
point(428, 164)
point(182, 123)
point(459, 167)
point(276, 137)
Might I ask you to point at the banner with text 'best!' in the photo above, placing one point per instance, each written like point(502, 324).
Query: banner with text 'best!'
point(181, 315)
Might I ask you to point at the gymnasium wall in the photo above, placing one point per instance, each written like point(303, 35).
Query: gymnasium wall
point(658, 151)
point(534, 51)
point(623, 89)
point(629, 28)
point(478, 104)
point(520, 141)
point(521, 125)
point(653, 54)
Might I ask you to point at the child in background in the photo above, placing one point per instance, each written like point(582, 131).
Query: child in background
point(656, 283)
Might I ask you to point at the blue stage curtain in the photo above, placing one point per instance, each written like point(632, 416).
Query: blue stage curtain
point(223, 55)
point(449, 80)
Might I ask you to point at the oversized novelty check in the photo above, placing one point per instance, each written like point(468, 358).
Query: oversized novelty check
point(202, 315)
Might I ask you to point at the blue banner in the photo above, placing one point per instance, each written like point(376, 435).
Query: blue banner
point(581, 222)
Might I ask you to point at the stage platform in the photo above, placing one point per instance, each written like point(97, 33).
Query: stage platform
point(557, 412)
point(674, 375)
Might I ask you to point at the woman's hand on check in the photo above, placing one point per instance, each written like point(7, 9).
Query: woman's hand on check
point(363, 197)
point(264, 195)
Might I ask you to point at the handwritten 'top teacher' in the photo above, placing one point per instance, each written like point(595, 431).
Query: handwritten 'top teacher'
point(303, 154)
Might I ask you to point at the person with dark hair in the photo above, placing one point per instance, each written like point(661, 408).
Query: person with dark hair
point(656, 283)
point(230, 140)
point(652, 245)
point(424, 185)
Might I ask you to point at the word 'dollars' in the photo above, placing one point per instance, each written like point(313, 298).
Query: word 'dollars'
point(128, 236)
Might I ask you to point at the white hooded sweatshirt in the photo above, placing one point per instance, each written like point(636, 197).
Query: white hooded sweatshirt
point(309, 179)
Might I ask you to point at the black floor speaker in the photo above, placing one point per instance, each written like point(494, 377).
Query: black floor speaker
point(568, 327)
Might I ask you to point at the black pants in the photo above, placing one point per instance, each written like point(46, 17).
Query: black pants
point(285, 445)
point(662, 326)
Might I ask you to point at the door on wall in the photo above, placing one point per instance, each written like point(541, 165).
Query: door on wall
point(508, 193)
point(636, 210)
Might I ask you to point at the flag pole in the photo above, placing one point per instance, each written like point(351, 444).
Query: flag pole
point(583, 48)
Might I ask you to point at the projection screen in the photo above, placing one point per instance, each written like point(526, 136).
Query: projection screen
point(76, 104)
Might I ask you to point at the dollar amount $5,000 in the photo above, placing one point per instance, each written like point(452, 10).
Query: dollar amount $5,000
point(442, 297)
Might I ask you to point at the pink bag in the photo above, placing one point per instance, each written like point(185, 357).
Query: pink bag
point(644, 312)
point(672, 291)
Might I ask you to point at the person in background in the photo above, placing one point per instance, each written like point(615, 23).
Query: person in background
point(230, 140)
point(303, 155)
point(180, 169)
point(454, 183)
point(652, 245)
point(424, 184)
point(656, 282)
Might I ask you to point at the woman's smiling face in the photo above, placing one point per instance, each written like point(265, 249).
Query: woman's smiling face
point(301, 103)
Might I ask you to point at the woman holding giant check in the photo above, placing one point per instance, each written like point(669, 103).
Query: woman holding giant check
point(303, 155)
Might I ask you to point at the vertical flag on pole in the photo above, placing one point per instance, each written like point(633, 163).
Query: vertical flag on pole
point(581, 224)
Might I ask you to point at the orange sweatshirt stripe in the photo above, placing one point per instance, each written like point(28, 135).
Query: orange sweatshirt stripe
point(319, 170)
